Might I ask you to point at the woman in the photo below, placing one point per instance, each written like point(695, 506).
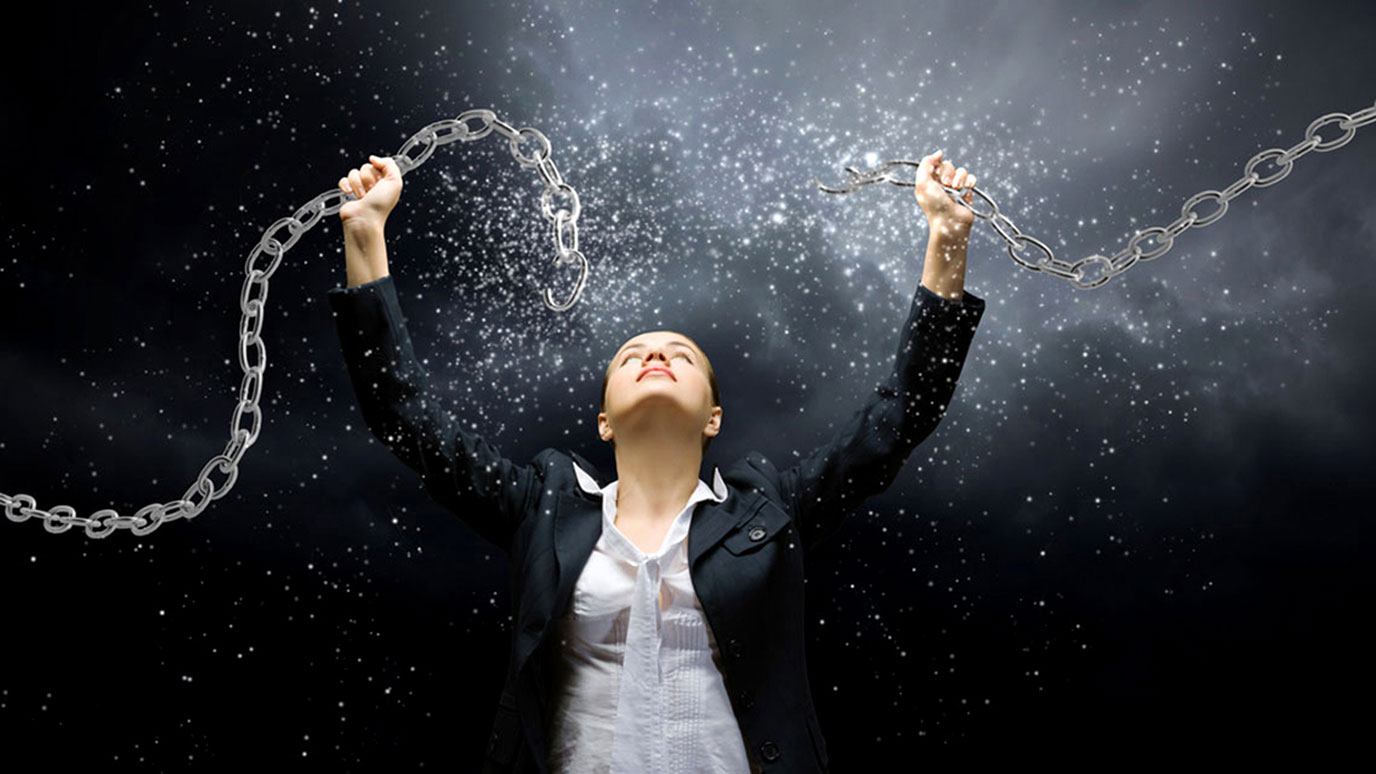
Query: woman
point(659, 620)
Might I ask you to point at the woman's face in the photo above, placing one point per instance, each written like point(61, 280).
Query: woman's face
point(658, 371)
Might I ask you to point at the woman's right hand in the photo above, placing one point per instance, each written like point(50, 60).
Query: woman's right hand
point(377, 186)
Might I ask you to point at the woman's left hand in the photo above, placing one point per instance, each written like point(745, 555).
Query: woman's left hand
point(941, 210)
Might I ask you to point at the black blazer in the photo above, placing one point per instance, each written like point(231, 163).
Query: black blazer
point(745, 554)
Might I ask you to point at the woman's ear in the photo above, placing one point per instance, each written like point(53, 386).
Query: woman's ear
point(604, 429)
point(714, 422)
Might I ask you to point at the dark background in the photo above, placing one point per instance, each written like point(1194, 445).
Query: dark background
point(1142, 527)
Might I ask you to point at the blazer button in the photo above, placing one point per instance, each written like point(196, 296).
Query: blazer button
point(747, 699)
point(770, 751)
point(757, 534)
point(736, 648)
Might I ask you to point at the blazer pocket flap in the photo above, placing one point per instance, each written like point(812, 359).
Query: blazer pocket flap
point(758, 530)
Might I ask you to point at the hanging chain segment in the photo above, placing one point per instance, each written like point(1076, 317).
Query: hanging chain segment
point(280, 237)
point(565, 221)
point(1108, 268)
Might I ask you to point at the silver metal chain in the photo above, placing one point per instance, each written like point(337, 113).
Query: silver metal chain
point(253, 297)
point(253, 301)
point(1164, 235)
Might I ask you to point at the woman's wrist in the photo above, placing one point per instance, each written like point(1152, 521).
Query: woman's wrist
point(949, 231)
point(365, 252)
point(943, 270)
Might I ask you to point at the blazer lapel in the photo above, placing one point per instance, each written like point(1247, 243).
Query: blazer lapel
point(577, 526)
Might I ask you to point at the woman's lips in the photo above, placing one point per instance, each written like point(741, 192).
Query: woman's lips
point(649, 371)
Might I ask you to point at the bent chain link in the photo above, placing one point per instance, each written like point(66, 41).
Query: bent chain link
point(253, 304)
point(1283, 159)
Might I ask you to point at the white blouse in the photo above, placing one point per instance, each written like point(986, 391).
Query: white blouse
point(639, 686)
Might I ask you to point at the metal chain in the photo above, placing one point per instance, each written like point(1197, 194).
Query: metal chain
point(253, 301)
point(1165, 235)
point(253, 297)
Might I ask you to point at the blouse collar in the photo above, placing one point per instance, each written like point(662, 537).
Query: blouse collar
point(717, 492)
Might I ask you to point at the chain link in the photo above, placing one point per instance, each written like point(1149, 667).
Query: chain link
point(1075, 273)
point(253, 303)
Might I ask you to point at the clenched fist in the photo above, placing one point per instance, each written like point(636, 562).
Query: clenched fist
point(941, 210)
point(377, 186)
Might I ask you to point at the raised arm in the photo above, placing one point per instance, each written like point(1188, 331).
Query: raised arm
point(460, 470)
point(865, 456)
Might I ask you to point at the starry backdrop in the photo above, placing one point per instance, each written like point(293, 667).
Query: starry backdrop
point(1142, 524)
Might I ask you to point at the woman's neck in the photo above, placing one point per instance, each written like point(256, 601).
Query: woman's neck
point(655, 481)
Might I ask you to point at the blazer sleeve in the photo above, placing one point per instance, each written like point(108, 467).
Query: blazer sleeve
point(865, 456)
point(460, 470)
